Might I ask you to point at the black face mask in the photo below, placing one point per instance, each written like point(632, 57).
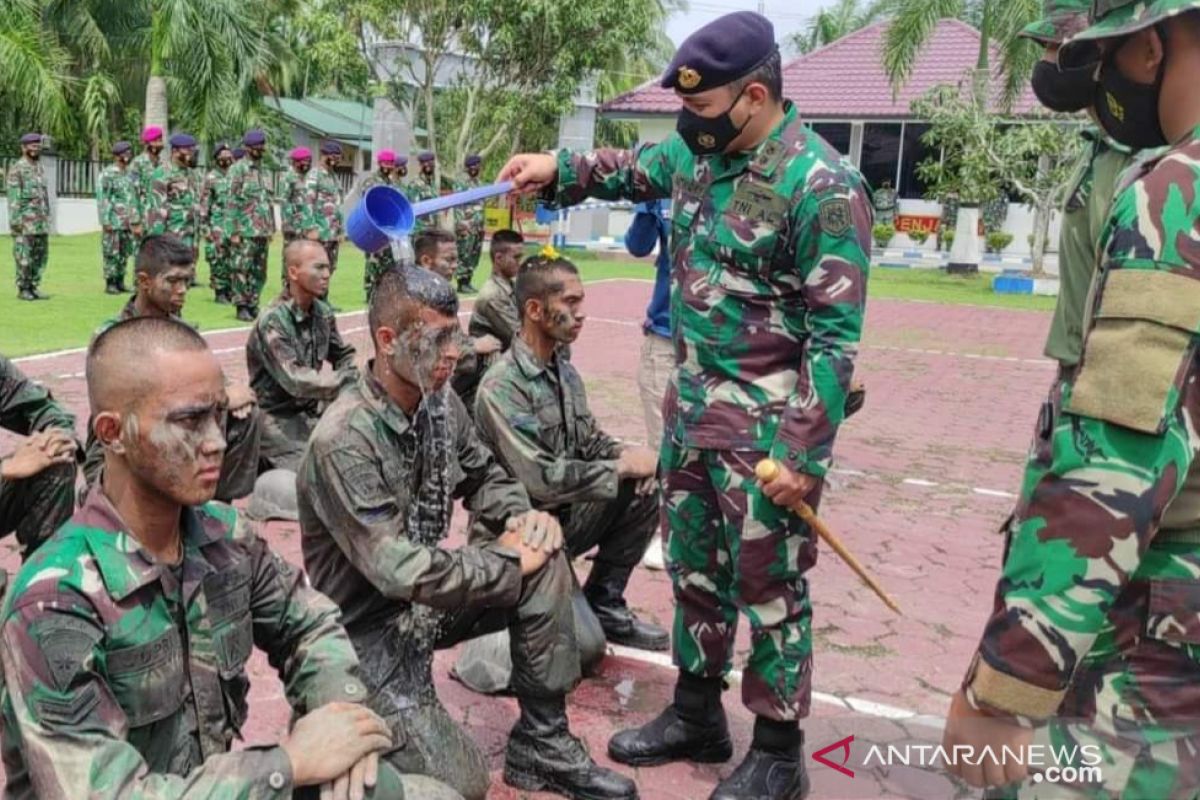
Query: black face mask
point(1128, 110)
point(1064, 90)
point(706, 136)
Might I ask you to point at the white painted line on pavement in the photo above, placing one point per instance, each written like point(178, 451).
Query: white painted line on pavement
point(865, 707)
point(921, 483)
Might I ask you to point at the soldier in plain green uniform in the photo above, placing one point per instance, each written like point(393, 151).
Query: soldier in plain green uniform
point(29, 217)
point(120, 218)
point(214, 227)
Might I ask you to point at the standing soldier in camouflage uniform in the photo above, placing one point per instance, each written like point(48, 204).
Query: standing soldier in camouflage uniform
point(126, 636)
point(469, 227)
point(175, 195)
point(321, 214)
point(37, 480)
point(142, 168)
point(214, 227)
point(532, 412)
point(385, 175)
point(425, 187)
point(772, 236)
point(290, 196)
point(376, 488)
point(949, 222)
point(120, 218)
point(291, 341)
point(29, 217)
point(1094, 640)
point(251, 221)
point(884, 200)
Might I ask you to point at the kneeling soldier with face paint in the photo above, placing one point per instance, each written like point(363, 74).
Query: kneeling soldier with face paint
point(532, 411)
point(126, 636)
point(377, 487)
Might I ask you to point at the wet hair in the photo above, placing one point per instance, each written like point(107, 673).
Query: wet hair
point(769, 74)
point(157, 254)
point(401, 293)
point(427, 242)
point(117, 364)
point(292, 250)
point(507, 236)
point(540, 277)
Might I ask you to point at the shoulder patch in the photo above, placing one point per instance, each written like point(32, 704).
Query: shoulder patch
point(66, 644)
point(834, 215)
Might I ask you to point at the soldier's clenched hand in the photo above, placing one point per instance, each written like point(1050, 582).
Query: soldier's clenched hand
point(789, 488)
point(530, 172)
point(326, 744)
point(965, 726)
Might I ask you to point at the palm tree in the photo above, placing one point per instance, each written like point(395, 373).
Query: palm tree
point(842, 18)
point(35, 79)
point(999, 22)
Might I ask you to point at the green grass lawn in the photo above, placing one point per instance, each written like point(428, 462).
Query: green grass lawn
point(78, 303)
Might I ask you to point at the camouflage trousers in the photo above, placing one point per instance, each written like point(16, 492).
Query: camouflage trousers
point(238, 471)
point(30, 252)
point(732, 550)
point(219, 254)
point(470, 248)
point(396, 664)
point(116, 248)
point(377, 264)
point(35, 507)
point(249, 269)
point(331, 250)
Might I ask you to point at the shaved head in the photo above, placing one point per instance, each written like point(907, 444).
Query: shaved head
point(296, 248)
point(120, 366)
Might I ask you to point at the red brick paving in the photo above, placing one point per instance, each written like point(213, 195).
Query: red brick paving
point(949, 416)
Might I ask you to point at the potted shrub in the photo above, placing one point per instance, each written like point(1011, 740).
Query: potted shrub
point(883, 233)
point(919, 237)
point(997, 241)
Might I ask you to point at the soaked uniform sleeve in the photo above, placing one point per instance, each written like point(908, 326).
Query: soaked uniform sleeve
point(358, 507)
point(508, 420)
point(282, 362)
point(341, 355)
point(1118, 456)
point(833, 254)
point(635, 175)
point(298, 628)
point(501, 317)
point(26, 407)
point(71, 728)
point(488, 491)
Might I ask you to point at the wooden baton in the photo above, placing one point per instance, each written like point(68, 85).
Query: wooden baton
point(767, 471)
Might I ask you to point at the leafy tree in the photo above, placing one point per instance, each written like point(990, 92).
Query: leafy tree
point(840, 19)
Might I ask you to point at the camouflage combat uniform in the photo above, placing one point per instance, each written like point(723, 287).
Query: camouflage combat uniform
point(322, 211)
point(290, 196)
point(29, 221)
point(884, 201)
point(119, 211)
point(141, 175)
point(422, 188)
point(535, 418)
point(469, 227)
point(284, 356)
point(126, 677)
point(249, 216)
point(216, 229)
point(770, 253)
point(239, 468)
point(1096, 628)
point(376, 492)
point(36, 506)
point(174, 204)
point(380, 262)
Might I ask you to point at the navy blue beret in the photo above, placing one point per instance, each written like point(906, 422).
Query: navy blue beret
point(473, 161)
point(254, 138)
point(721, 52)
point(120, 148)
point(183, 140)
point(331, 149)
point(426, 156)
point(239, 152)
point(31, 138)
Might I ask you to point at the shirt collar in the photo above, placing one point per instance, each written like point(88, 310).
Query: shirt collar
point(527, 361)
point(124, 565)
point(766, 156)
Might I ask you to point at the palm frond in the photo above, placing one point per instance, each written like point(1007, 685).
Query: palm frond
point(913, 21)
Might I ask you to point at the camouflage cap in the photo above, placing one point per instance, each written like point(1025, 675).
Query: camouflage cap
point(1113, 19)
point(1061, 19)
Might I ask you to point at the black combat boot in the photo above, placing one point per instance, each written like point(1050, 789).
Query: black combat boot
point(25, 294)
point(38, 295)
point(110, 287)
point(543, 755)
point(773, 768)
point(121, 287)
point(221, 298)
point(693, 728)
point(465, 287)
point(245, 314)
point(605, 593)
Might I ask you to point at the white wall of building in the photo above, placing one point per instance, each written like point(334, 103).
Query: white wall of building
point(70, 215)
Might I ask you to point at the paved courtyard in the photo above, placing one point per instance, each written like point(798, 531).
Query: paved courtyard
point(924, 478)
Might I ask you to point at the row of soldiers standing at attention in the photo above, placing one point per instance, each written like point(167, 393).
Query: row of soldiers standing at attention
point(229, 208)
